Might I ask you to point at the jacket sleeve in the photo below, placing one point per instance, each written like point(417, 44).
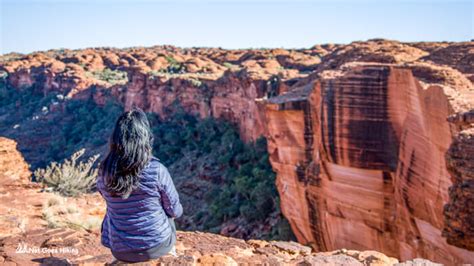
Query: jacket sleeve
point(169, 195)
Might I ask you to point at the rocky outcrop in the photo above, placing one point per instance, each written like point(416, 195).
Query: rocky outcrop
point(458, 56)
point(192, 248)
point(13, 168)
point(359, 135)
point(361, 151)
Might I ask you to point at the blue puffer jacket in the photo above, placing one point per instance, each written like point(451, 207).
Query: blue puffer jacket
point(141, 221)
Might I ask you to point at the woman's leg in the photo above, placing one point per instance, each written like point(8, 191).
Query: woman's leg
point(173, 233)
point(173, 226)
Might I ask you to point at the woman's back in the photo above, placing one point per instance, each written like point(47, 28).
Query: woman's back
point(140, 195)
point(140, 221)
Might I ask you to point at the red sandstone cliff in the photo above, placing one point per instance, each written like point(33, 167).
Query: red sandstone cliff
point(358, 134)
point(361, 152)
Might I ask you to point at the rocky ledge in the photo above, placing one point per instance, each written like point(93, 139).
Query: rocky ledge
point(193, 248)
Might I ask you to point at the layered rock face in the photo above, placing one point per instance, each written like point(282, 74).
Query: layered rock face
point(230, 97)
point(361, 152)
point(359, 135)
point(208, 82)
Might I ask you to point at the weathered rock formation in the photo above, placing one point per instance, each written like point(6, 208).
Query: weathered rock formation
point(358, 134)
point(361, 152)
point(231, 97)
point(208, 82)
point(13, 168)
point(193, 248)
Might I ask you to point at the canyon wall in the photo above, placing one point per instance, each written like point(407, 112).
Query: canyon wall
point(371, 141)
point(230, 97)
point(361, 152)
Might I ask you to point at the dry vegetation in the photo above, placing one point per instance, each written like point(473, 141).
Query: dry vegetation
point(70, 178)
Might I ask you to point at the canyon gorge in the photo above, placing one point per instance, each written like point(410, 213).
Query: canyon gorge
point(372, 142)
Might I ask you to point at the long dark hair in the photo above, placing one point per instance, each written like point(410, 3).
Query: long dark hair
point(129, 152)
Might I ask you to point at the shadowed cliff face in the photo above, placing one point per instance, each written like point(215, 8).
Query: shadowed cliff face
point(459, 212)
point(358, 134)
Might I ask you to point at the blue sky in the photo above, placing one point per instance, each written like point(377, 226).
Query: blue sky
point(32, 25)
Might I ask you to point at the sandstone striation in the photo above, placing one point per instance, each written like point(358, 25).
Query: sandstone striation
point(361, 151)
point(371, 141)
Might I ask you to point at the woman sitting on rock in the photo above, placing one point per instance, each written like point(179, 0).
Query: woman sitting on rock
point(141, 198)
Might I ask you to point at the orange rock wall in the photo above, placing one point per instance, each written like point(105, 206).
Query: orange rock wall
point(364, 155)
point(231, 97)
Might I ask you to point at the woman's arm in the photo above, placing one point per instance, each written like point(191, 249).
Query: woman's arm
point(169, 195)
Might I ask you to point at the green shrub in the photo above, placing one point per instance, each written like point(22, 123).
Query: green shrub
point(230, 65)
point(110, 76)
point(174, 66)
point(176, 69)
point(70, 178)
point(195, 82)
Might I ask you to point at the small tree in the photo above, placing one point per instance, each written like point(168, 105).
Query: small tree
point(71, 178)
